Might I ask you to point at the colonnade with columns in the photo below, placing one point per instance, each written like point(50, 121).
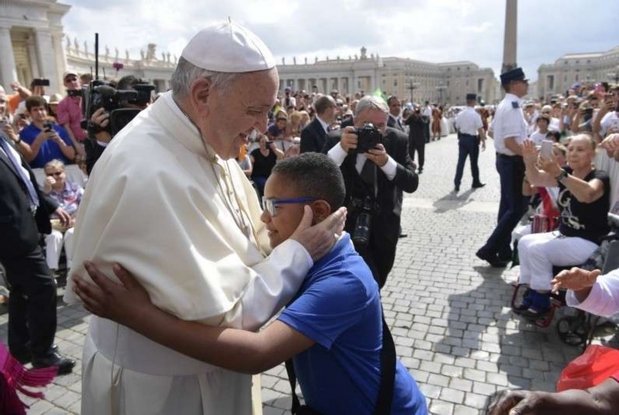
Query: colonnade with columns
point(346, 85)
point(40, 55)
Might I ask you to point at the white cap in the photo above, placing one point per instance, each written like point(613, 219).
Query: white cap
point(228, 47)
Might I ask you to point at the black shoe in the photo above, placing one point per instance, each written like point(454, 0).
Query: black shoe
point(64, 364)
point(420, 171)
point(492, 259)
point(478, 185)
point(25, 358)
point(403, 235)
point(456, 189)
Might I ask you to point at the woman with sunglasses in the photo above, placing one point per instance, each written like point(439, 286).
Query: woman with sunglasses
point(68, 195)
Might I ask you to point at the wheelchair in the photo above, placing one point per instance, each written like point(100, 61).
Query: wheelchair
point(578, 329)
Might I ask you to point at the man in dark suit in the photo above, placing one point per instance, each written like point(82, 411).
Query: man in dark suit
point(417, 124)
point(394, 120)
point(313, 136)
point(24, 213)
point(374, 182)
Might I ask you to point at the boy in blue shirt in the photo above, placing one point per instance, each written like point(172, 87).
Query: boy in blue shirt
point(42, 141)
point(332, 328)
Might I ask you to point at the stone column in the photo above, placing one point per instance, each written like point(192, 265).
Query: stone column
point(510, 40)
point(47, 59)
point(61, 58)
point(7, 63)
point(32, 57)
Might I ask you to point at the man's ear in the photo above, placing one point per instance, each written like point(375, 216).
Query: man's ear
point(321, 210)
point(199, 94)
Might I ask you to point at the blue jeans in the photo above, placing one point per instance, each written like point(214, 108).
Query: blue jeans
point(467, 146)
point(513, 205)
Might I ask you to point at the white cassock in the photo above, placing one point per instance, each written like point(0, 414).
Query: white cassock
point(155, 204)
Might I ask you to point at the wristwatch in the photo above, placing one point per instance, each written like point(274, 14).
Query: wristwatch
point(563, 175)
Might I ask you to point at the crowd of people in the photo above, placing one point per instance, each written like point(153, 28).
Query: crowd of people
point(258, 191)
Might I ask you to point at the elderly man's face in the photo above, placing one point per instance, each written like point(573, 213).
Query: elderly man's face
point(235, 112)
point(373, 116)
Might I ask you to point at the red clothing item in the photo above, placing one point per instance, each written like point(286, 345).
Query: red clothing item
point(548, 208)
point(70, 112)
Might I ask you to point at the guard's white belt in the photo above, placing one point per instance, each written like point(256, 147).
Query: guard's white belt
point(132, 351)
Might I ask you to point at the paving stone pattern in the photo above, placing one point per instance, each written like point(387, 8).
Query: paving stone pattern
point(448, 311)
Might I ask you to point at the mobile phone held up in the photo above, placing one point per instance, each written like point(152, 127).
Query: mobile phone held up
point(546, 150)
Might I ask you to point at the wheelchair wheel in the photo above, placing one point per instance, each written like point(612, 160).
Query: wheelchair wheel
point(572, 330)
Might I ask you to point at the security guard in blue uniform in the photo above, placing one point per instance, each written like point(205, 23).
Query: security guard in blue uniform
point(509, 130)
point(470, 135)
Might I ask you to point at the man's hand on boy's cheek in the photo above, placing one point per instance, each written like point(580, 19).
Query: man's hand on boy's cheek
point(319, 239)
point(378, 155)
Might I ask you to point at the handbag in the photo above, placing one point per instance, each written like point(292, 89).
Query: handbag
point(387, 379)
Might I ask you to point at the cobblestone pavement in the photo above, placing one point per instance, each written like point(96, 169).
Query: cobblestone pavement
point(448, 311)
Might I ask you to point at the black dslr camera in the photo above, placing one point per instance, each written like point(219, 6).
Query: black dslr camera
point(102, 95)
point(75, 92)
point(368, 138)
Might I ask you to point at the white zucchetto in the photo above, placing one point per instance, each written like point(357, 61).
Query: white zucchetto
point(228, 47)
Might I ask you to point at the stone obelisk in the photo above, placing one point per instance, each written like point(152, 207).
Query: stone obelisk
point(510, 41)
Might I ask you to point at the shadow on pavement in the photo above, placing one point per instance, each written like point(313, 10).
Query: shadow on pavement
point(452, 201)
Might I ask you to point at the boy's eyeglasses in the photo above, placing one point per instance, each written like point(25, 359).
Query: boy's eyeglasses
point(270, 205)
point(58, 173)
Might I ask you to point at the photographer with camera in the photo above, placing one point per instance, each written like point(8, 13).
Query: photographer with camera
point(43, 141)
point(377, 168)
point(109, 110)
point(70, 114)
point(417, 125)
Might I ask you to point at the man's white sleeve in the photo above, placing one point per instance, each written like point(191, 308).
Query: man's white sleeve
point(337, 154)
point(603, 300)
point(278, 279)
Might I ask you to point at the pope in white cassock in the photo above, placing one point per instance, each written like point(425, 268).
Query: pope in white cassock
point(169, 202)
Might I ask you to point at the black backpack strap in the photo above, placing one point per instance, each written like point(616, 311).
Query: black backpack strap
point(387, 376)
point(292, 378)
point(387, 373)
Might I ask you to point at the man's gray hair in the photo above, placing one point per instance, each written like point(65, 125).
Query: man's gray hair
point(371, 102)
point(186, 73)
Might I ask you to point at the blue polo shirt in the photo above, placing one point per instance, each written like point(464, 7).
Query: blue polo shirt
point(49, 149)
point(338, 306)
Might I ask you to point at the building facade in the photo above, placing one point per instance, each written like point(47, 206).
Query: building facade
point(558, 78)
point(410, 80)
point(31, 35)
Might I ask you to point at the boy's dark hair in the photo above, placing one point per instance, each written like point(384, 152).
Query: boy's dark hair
point(314, 175)
point(35, 101)
point(554, 136)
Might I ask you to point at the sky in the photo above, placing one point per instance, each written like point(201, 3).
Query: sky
point(428, 30)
